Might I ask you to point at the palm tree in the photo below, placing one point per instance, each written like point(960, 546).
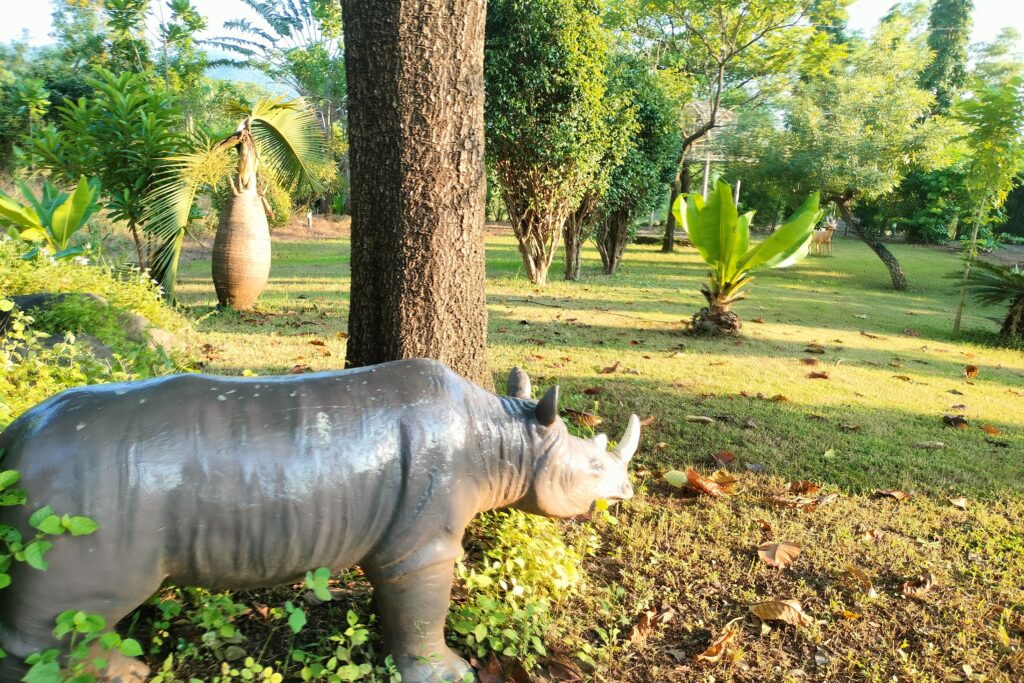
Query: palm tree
point(276, 138)
point(992, 284)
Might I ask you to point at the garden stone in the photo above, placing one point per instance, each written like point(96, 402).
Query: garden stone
point(235, 483)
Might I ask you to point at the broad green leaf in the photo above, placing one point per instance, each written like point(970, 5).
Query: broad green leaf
point(5, 581)
point(34, 553)
point(8, 477)
point(39, 515)
point(702, 221)
point(296, 620)
point(79, 526)
point(51, 525)
point(76, 250)
point(43, 672)
point(110, 640)
point(740, 244)
point(131, 648)
point(33, 235)
point(71, 215)
point(786, 242)
point(13, 212)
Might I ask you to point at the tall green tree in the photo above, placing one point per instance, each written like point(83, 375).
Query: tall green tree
point(638, 181)
point(949, 32)
point(994, 117)
point(546, 117)
point(121, 136)
point(735, 52)
point(854, 132)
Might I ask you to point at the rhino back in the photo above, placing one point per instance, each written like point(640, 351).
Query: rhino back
point(246, 481)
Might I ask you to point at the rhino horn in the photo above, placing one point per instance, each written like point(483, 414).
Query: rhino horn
point(629, 441)
point(602, 441)
point(547, 407)
point(519, 384)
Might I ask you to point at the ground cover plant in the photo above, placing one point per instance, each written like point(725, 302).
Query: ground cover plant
point(853, 425)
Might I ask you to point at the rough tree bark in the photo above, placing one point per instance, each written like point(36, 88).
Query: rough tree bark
point(899, 280)
point(680, 185)
point(612, 236)
point(416, 130)
point(575, 234)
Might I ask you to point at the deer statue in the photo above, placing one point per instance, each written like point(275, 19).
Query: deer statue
point(822, 237)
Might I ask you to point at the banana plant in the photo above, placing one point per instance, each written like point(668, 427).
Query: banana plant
point(722, 237)
point(52, 219)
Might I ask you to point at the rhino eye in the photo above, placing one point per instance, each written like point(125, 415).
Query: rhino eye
point(597, 466)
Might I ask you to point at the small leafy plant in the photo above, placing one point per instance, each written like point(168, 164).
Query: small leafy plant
point(722, 237)
point(993, 284)
point(52, 219)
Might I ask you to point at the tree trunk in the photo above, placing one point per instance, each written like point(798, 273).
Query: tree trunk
point(612, 236)
point(416, 130)
point(241, 251)
point(575, 234)
point(680, 185)
point(899, 280)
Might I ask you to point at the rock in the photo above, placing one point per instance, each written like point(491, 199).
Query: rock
point(136, 327)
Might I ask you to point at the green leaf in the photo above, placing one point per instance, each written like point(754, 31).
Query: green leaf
point(71, 215)
point(34, 552)
point(110, 640)
point(39, 515)
point(80, 526)
point(480, 631)
point(5, 581)
point(51, 525)
point(43, 672)
point(296, 620)
point(13, 212)
point(34, 235)
point(787, 244)
point(8, 477)
point(131, 648)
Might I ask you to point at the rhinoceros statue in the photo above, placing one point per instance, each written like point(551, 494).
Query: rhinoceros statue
point(234, 483)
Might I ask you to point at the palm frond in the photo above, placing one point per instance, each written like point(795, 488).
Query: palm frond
point(289, 140)
point(993, 284)
point(170, 202)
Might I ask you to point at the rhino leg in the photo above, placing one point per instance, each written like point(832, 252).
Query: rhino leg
point(413, 605)
point(28, 612)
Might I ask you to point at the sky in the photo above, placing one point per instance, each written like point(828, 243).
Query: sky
point(33, 17)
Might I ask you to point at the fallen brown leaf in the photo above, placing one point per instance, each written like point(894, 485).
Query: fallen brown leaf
point(593, 391)
point(718, 646)
point(869, 335)
point(970, 371)
point(849, 428)
point(958, 502)
point(809, 361)
point(919, 585)
point(955, 421)
point(871, 535)
point(724, 459)
point(490, 672)
point(788, 611)
point(611, 368)
point(905, 378)
point(990, 430)
point(806, 488)
point(647, 421)
point(716, 486)
point(582, 418)
point(893, 493)
point(815, 348)
point(780, 398)
point(817, 375)
point(862, 578)
point(318, 342)
point(299, 369)
point(779, 555)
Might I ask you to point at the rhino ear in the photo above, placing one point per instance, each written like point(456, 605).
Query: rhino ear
point(547, 407)
point(519, 384)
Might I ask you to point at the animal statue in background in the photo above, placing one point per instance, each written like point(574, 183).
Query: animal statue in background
point(822, 237)
point(235, 483)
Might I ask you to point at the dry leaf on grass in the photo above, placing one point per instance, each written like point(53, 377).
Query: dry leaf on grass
point(718, 485)
point(299, 369)
point(805, 488)
point(809, 361)
point(612, 368)
point(700, 419)
point(970, 371)
point(815, 348)
point(778, 555)
point(755, 467)
point(317, 342)
point(804, 503)
point(871, 535)
point(919, 585)
point(862, 578)
point(955, 421)
point(489, 672)
point(959, 502)
point(593, 391)
point(990, 430)
point(869, 335)
point(817, 375)
point(581, 418)
point(893, 493)
point(713, 653)
point(646, 622)
point(847, 614)
point(724, 459)
point(647, 421)
point(904, 378)
point(789, 611)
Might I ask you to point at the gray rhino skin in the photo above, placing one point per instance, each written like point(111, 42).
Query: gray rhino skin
point(232, 483)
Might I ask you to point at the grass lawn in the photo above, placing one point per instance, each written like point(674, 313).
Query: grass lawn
point(893, 370)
